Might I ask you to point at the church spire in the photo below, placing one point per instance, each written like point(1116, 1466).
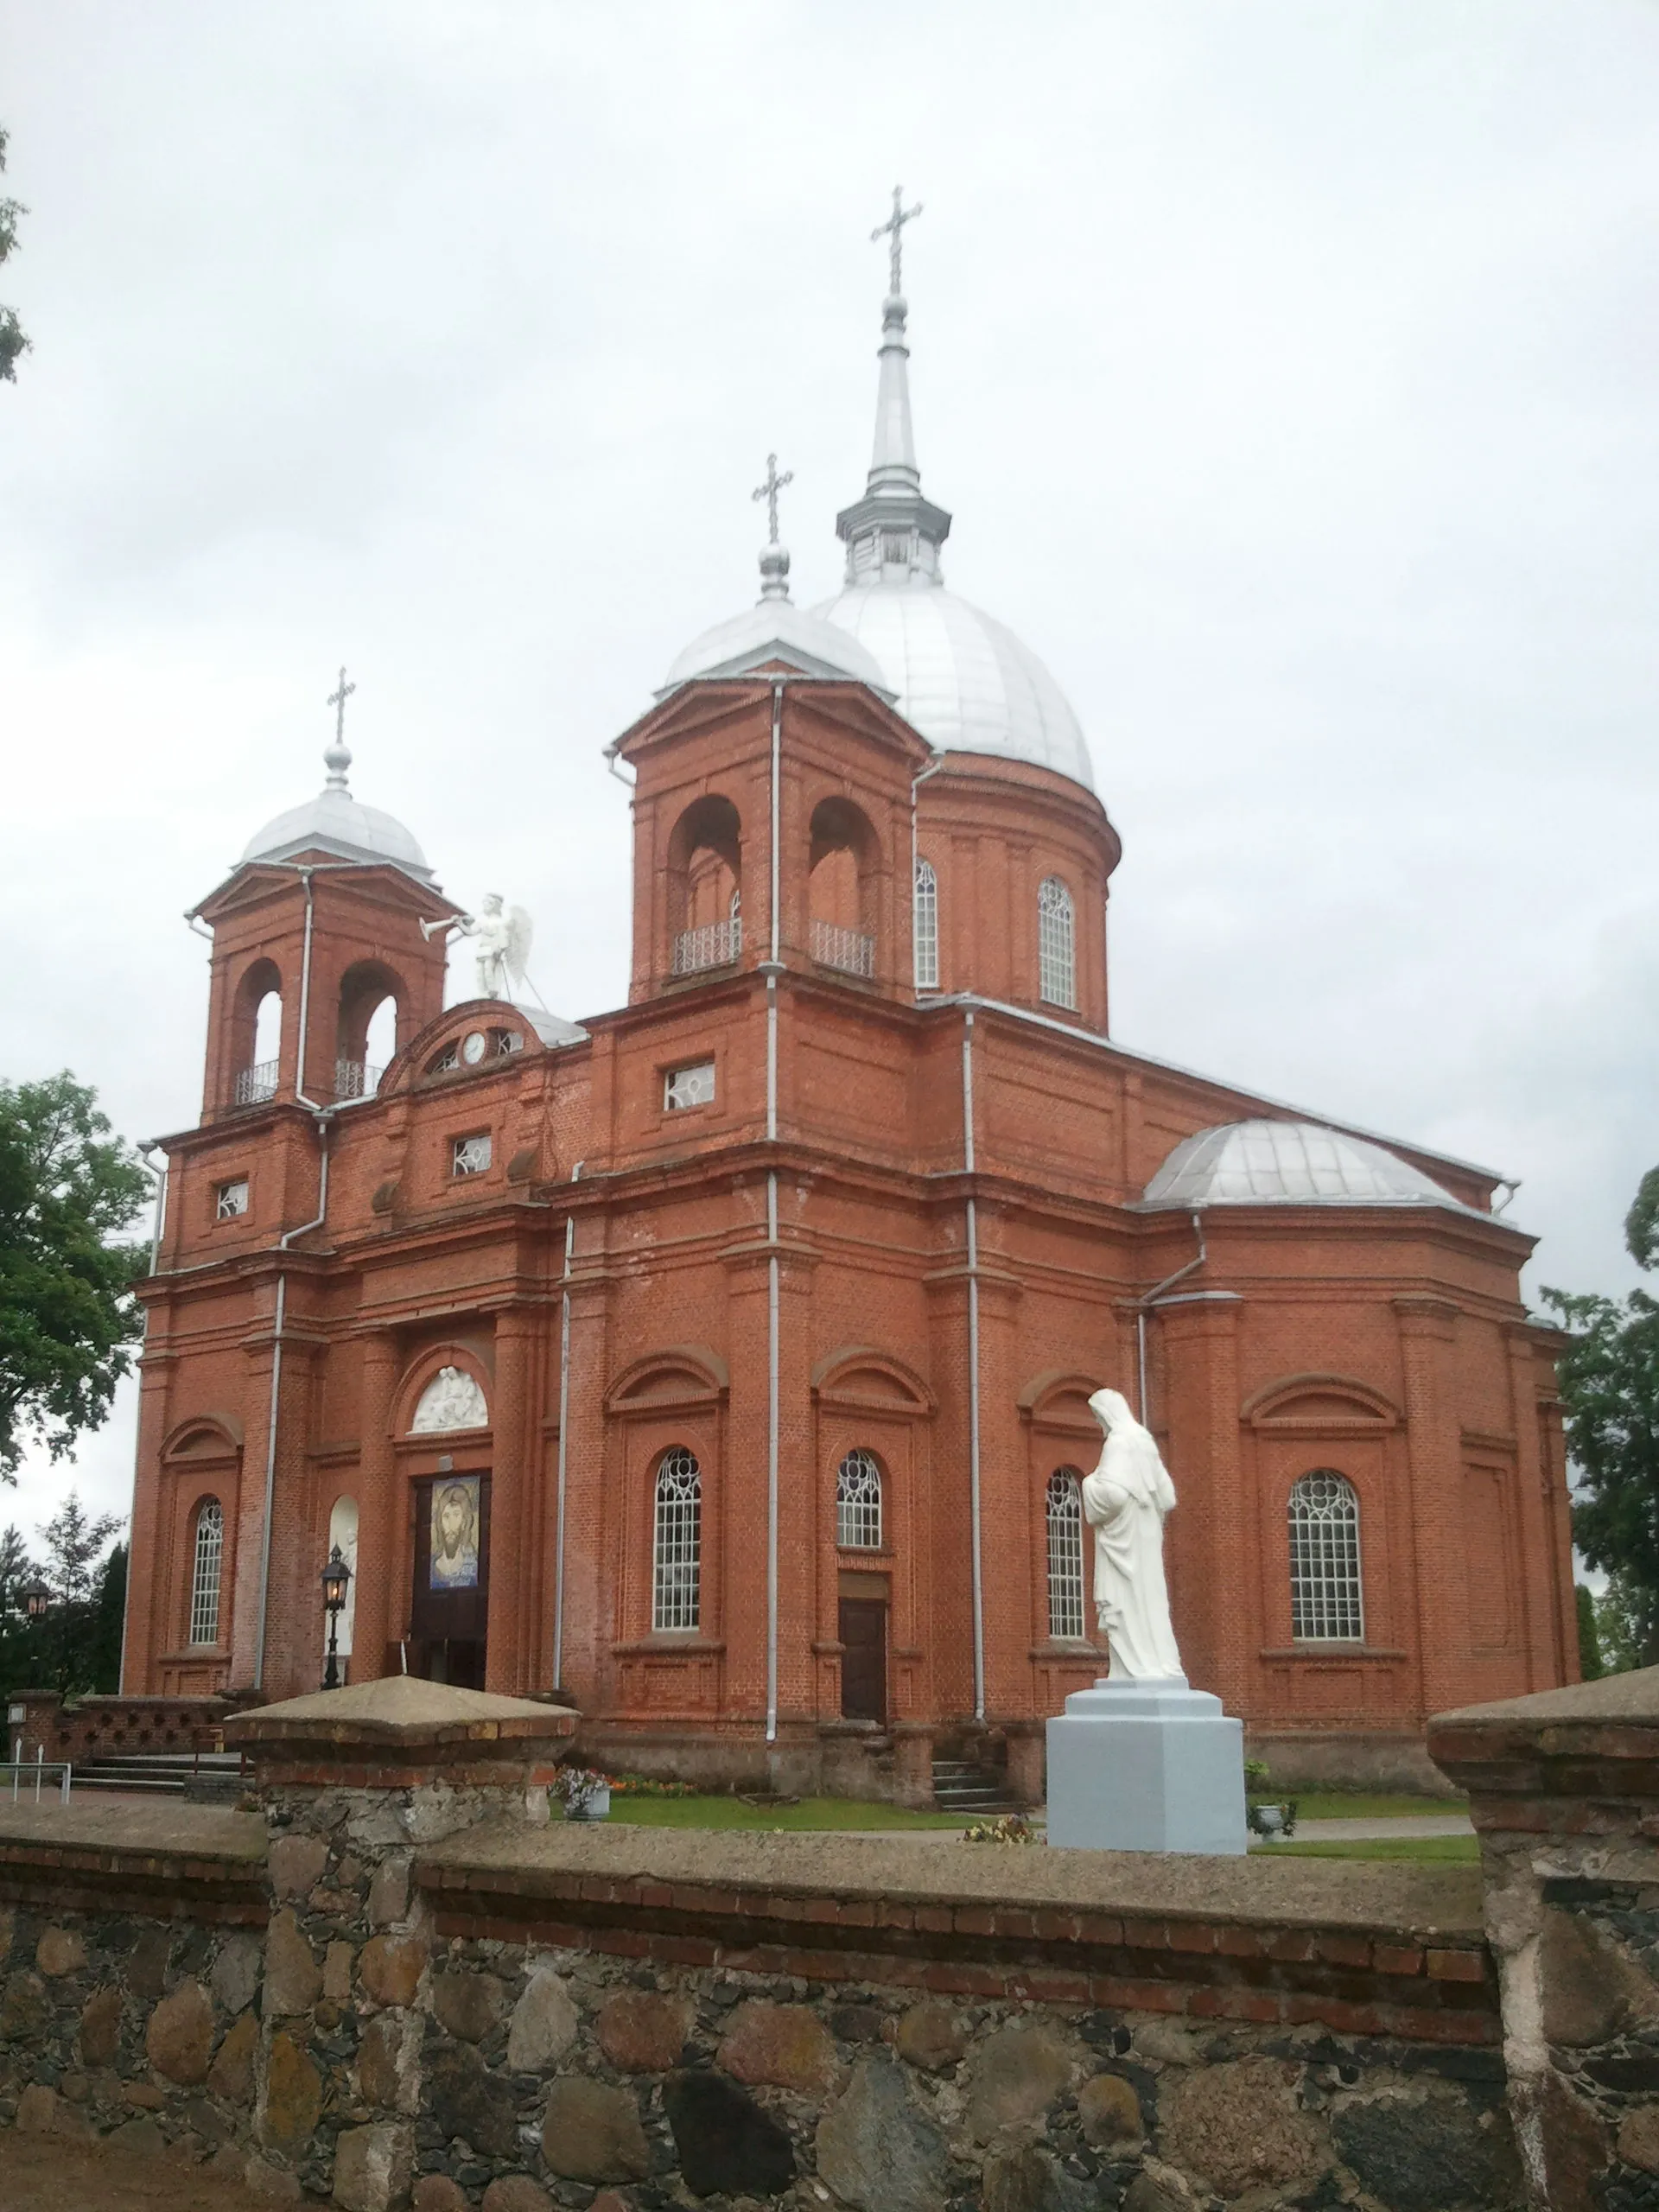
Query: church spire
point(774, 560)
point(892, 534)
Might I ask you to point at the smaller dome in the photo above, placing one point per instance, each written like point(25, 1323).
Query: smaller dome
point(777, 629)
point(1287, 1163)
point(336, 823)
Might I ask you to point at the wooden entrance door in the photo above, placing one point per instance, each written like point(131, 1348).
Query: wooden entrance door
point(864, 1660)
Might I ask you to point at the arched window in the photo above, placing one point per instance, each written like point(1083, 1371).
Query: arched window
point(677, 1543)
point(1324, 1587)
point(1065, 1512)
point(858, 1502)
point(1057, 959)
point(925, 915)
point(208, 1552)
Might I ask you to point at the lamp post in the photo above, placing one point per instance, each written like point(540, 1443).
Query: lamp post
point(336, 1580)
point(37, 1600)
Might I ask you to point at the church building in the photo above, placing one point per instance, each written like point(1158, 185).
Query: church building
point(720, 1363)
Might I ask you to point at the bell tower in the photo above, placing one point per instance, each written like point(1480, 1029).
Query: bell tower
point(331, 913)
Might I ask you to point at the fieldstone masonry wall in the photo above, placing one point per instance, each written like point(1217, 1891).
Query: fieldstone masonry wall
point(405, 1990)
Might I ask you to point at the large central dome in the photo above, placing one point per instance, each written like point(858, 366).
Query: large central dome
point(961, 679)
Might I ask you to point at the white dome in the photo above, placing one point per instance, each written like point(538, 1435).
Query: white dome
point(336, 823)
point(1287, 1163)
point(962, 679)
point(776, 629)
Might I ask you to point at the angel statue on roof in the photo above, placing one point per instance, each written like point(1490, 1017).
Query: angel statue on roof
point(501, 937)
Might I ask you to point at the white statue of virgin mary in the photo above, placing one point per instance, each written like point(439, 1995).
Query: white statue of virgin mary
point(1125, 1501)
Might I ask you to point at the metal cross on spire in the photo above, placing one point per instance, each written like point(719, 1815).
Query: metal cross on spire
point(337, 700)
point(893, 230)
point(768, 492)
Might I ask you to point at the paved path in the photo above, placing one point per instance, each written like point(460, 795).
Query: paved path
point(1366, 1831)
point(43, 2173)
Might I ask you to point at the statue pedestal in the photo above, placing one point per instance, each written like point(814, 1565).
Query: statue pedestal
point(1146, 1766)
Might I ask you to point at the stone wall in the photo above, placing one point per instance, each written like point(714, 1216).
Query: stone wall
point(343, 1998)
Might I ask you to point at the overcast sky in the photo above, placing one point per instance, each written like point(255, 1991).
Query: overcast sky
point(1290, 370)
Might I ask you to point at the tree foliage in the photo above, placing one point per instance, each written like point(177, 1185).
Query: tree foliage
point(1609, 1396)
point(1592, 1666)
point(75, 1648)
point(67, 1316)
point(12, 340)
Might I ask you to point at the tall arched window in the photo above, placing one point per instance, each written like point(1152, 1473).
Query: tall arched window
point(1325, 1604)
point(925, 924)
point(1056, 958)
point(208, 1557)
point(858, 1502)
point(677, 1543)
point(1064, 1509)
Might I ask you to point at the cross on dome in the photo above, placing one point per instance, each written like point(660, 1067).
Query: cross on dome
point(893, 230)
point(338, 759)
point(769, 491)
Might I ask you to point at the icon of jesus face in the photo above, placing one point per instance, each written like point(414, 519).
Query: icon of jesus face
point(455, 1534)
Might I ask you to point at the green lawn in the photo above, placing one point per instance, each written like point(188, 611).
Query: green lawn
point(732, 1813)
point(1463, 1849)
point(1356, 1805)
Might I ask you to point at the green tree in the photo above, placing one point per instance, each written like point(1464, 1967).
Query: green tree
point(1590, 1661)
point(67, 1316)
point(69, 1659)
point(108, 1619)
point(1610, 1395)
point(12, 340)
point(17, 1642)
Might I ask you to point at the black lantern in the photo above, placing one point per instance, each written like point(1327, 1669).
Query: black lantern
point(37, 1599)
point(336, 1581)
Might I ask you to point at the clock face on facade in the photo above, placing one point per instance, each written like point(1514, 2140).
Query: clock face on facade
point(474, 1047)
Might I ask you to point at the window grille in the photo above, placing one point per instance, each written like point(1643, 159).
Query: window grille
point(233, 1199)
point(471, 1156)
point(1325, 1604)
point(676, 1548)
point(1065, 1585)
point(925, 922)
point(204, 1581)
point(692, 1086)
point(858, 1502)
point(1056, 943)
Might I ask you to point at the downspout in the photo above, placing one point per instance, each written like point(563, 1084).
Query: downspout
point(322, 1115)
point(564, 1426)
point(771, 1225)
point(1144, 1305)
point(158, 1222)
point(973, 1367)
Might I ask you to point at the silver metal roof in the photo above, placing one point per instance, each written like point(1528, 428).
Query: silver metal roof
point(777, 630)
point(1288, 1163)
point(961, 678)
point(336, 823)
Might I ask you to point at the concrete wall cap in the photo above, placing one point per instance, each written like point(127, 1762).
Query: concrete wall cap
point(1620, 1699)
point(403, 1710)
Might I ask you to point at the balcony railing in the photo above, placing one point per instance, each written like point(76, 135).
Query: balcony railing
point(849, 950)
point(716, 944)
point(356, 1078)
point(255, 1084)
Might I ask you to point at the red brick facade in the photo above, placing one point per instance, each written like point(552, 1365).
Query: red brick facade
point(889, 1198)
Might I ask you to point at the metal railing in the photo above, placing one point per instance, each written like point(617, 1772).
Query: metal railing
point(255, 1084)
point(850, 950)
point(715, 945)
point(38, 1768)
point(356, 1078)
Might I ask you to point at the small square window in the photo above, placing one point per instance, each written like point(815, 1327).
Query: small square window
point(692, 1086)
point(230, 1200)
point(470, 1155)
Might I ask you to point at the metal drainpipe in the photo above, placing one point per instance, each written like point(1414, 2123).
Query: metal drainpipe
point(564, 1427)
point(973, 1367)
point(322, 1115)
point(772, 1227)
point(1143, 1306)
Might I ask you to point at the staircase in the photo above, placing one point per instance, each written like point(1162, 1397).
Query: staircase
point(964, 1786)
point(162, 1774)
